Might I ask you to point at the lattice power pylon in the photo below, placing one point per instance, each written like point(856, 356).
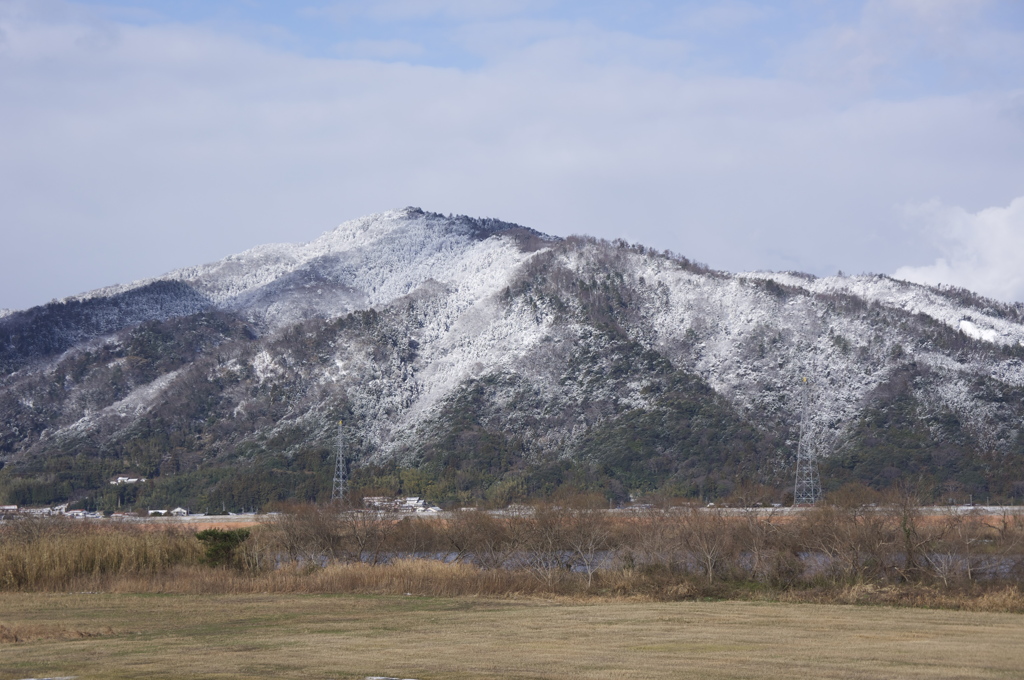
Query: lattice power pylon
point(338, 489)
point(807, 490)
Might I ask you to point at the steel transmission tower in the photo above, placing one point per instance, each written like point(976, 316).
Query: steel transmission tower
point(807, 490)
point(338, 489)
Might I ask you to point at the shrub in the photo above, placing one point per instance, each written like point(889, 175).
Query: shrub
point(221, 544)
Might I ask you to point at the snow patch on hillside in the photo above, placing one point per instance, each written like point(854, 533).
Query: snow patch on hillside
point(910, 297)
point(136, 403)
point(462, 331)
point(264, 366)
point(972, 330)
point(483, 341)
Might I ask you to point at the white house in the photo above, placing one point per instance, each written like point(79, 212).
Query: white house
point(125, 479)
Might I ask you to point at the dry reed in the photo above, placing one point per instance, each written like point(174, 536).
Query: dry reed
point(863, 556)
point(54, 554)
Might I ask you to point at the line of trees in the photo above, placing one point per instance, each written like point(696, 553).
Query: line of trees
point(889, 543)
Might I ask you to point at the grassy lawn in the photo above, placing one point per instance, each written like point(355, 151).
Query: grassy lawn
point(345, 636)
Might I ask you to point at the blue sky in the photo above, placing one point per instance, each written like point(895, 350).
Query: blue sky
point(876, 136)
point(741, 36)
point(743, 39)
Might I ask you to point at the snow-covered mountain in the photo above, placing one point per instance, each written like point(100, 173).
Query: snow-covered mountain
point(476, 358)
point(364, 263)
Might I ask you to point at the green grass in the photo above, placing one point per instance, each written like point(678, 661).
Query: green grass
point(346, 636)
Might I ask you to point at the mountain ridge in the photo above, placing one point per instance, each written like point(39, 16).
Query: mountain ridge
point(479, 359)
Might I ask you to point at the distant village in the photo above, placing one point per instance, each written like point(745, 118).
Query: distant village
point(400, 505)
point(407, 505)
point(62, 511)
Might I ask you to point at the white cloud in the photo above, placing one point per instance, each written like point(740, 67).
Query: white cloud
point(132, 149)
point(724, 15)
point(981, 251)
point(904, 44)
point(411, 10)
point(569, 46)
point(379, 49)
point(941, 12)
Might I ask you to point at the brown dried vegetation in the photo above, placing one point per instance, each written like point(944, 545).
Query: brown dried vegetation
point(887, 554)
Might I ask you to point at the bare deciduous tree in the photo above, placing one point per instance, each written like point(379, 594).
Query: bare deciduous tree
point(707, 538)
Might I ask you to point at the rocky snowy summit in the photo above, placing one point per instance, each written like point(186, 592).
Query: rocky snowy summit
point(478, 359)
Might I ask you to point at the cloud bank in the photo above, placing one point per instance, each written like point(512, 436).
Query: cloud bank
point(982, 251)
point(138, 140)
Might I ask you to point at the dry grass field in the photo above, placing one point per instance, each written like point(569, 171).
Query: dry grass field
point(349, 636)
